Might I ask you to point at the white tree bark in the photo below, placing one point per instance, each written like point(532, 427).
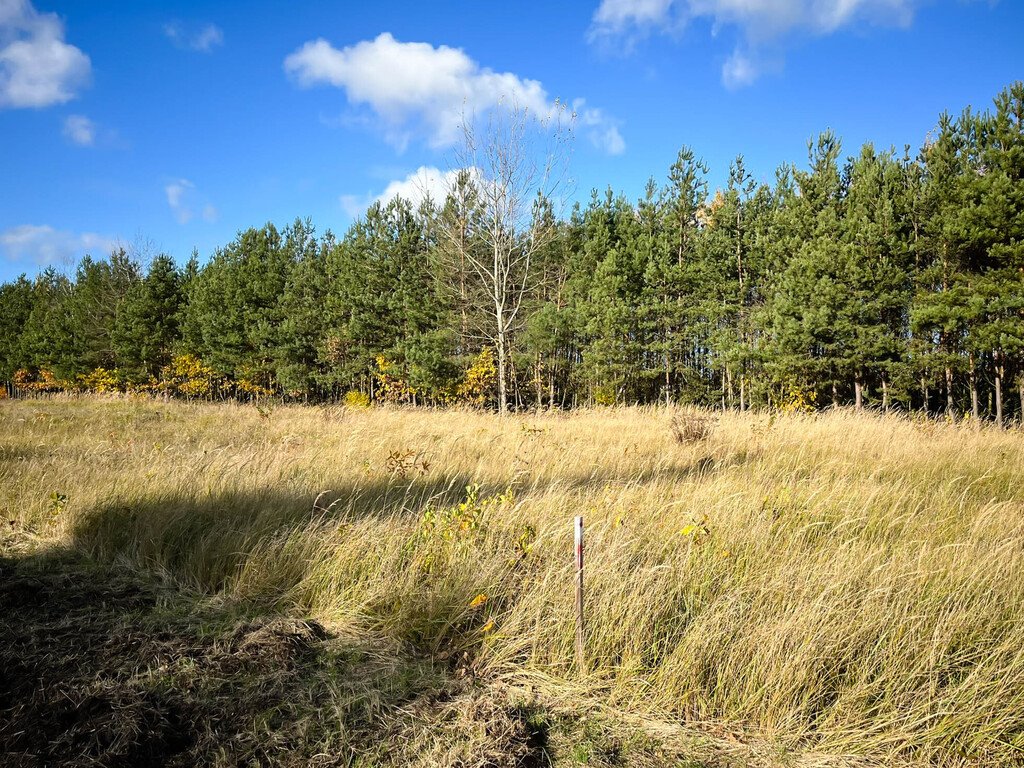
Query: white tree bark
point(517, 164)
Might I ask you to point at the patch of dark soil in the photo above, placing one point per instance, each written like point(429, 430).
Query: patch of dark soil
point(97, 668)
point(105, 667)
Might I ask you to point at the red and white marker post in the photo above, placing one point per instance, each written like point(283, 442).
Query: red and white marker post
point(579, 594)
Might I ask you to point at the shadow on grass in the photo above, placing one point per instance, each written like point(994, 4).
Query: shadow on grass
point(204, 540)
point(101, 666)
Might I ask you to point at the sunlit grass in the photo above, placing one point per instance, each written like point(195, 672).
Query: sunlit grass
point(847, 584)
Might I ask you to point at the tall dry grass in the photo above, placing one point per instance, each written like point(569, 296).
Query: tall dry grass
point(847, 584)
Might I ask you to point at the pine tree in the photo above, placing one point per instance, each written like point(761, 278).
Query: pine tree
point(234, 312)
point(16, 302)
point(146, 328)
point(993, 231)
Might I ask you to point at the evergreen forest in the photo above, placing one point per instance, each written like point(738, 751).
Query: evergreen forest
point(877, 279)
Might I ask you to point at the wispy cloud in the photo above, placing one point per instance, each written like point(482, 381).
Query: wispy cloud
point(761, 25)
point(419, 89)
point(42, 244)
point(184, 202)
point(203, 38)
point(80, 130)
point(37, 67)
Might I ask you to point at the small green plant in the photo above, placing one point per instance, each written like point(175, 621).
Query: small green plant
point(57, 503)
point(524, 544)
point(696, 532)
point(464, 519)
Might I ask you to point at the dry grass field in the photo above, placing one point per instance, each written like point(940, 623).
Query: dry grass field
point(317, 586)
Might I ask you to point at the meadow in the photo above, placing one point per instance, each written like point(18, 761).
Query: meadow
point(837, 588)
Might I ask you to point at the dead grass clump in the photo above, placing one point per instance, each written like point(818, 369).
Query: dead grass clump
point(689, 428)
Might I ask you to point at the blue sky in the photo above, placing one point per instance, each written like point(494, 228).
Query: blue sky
point(166, 127)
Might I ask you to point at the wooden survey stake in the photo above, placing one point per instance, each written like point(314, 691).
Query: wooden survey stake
point(579, 594)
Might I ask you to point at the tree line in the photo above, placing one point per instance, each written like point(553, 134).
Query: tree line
point(881, 279)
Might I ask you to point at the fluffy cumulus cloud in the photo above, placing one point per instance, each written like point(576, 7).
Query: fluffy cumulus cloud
point(417, 87)
point(185, 202)
point(43, 244)
point(203, 38)
point(80, 130)
point(761, 24)
point(37, 67)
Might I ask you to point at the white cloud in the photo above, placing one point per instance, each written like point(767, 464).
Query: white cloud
point(355, 205)
point(184, 200)
point(175, 192)
point(602, 131)
point(46, 245)
point(760, 23)
point(738, 71)
point(426, 181)
point(80, 130)
point(622, 22)
point(37, 68)
point(204, 38)
point(619, 14)
point(416, 87)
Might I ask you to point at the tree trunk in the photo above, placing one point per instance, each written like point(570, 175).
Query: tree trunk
point(949, 390)
point(974, 390)
point(998, 359)
point(502, 372)
point(858, 391)
point(743, 393)
point(540, 385)
point(1020, 393)
point(885, 394)
point(463, 301)
point(924, 395)
point(514, 379)
point(668, 378)
point(835, 395)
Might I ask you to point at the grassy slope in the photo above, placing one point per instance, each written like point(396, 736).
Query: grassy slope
point(840, 586)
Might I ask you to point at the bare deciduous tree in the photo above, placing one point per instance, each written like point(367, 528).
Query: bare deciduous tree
point(517, 163)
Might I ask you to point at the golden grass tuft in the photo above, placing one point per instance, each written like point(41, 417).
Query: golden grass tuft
point(839, 584)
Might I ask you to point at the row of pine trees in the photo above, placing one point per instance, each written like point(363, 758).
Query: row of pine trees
point(882, 279)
